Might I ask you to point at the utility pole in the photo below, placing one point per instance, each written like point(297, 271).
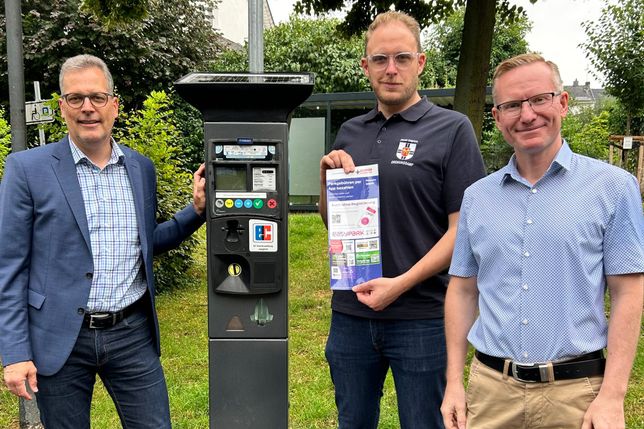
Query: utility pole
point(256, 36)
point(15, 67)
point(28, 410)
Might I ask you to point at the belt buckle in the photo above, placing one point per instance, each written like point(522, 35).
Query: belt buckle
point(543, 372)
point(98, 317)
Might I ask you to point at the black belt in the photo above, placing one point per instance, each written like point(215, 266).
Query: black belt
point(107, 320)
point(588, 365)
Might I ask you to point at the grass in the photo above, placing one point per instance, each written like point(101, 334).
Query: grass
point(183, 318)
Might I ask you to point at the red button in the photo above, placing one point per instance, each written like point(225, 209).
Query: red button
point(271, 203)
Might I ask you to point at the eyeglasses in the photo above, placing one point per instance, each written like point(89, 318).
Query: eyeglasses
point(76, 100)
point(538, 103)
point(402, 60)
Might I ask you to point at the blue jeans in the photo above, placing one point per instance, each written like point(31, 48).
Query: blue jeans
point(125, 359)
point(360, 352)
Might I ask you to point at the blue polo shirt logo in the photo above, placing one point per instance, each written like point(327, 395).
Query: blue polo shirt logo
point(406, 149)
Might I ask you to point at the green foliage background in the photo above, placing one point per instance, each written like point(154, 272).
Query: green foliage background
point(5, 140)
point(443, 44)
point(152, 132)
point(307, 45)
point(318, 45)
point(172, 39)
point(587, 131)
point(615, 47)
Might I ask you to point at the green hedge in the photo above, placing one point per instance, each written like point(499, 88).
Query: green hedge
point(152, 132)
point(5, 140)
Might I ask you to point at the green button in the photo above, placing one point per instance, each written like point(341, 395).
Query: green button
point(257, 203)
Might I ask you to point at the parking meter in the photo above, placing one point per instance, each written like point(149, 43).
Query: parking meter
point(246, 120)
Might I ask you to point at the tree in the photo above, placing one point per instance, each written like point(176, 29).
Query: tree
point(361, 12)
point(313, 45)
point(480, 17)
point(117, 12)
point(443, 45)
point(615, 48)
point(172, 40)
point(308, 45)
point(448, 41)
point(474, 62)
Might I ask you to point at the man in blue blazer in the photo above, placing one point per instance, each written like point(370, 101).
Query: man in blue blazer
point(78, 232)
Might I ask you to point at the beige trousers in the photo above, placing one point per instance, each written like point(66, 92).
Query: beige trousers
point(495, 401)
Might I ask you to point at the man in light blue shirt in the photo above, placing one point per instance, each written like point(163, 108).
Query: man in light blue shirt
point(538, 243)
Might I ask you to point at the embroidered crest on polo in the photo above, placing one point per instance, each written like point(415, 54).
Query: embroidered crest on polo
point(406, 149)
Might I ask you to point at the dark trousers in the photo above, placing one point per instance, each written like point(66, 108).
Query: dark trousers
point(125, 359)
point(361, 351)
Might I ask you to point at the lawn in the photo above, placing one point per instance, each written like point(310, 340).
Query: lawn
point(182, 315)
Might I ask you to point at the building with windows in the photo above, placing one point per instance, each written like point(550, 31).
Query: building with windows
point(230, 19)
point(584, 95)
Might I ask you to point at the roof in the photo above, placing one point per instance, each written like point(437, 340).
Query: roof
point(584, 93)
point(440, 96)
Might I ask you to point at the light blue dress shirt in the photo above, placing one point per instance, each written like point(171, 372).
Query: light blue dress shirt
point(118, 279)
point(541, 253)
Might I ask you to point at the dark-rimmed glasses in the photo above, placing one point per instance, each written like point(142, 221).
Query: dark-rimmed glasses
point(538, 103)
point(76, 100)
point(402, 60)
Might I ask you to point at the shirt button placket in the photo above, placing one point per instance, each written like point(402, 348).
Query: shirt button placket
point(380, 134)
point(525, 274)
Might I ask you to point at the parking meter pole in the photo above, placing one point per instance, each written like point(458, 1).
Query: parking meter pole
point(256, 36)
point(246, 120)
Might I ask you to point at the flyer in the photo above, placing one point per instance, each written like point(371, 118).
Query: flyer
point(353, 218)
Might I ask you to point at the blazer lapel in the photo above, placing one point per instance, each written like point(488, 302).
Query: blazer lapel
point(136, 181)
point(65, 171)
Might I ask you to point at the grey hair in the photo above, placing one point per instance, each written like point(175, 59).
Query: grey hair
point(81, 62)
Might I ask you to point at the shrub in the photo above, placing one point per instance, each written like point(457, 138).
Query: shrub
point(152, 132)
point(189, 122)
point(495, 150)
point(586, 130)
point(5, 140)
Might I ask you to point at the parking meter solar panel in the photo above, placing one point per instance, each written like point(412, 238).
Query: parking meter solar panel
point(253, 97)
point(246, 132)
point(244, 77)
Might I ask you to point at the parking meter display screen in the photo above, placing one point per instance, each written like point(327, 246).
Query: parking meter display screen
point(230, 178)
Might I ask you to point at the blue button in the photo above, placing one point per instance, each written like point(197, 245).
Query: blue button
point(248, 203)
point(239, 203)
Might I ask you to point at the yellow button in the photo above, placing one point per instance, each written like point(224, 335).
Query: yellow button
point(234, 270)
point(229, 203)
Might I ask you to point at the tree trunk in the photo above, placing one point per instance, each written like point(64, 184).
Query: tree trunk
point(474, 61)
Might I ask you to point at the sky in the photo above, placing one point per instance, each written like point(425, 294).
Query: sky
point(556, 32)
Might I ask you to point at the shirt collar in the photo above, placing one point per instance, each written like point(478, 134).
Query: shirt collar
point(116, 157)
point(563, 160)
point(411, 114)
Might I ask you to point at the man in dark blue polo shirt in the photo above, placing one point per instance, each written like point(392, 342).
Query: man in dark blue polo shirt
point(426, 158)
